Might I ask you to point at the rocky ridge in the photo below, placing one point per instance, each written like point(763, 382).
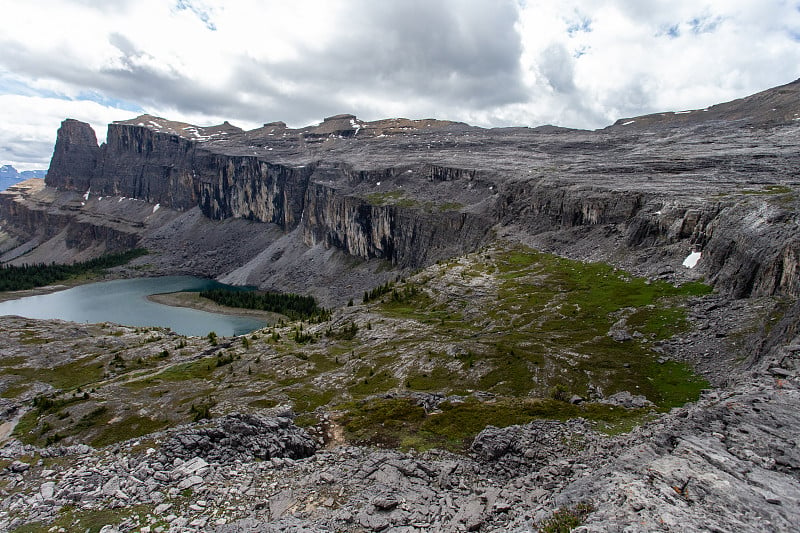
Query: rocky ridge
point(376, 190)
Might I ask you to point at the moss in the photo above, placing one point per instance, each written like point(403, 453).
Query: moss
point(64, 377)
point(308, 398)
point(438, 379)
point(399, 422)
point(263, 403)
point(86, 521)
point(128, 428)
point(566, 519)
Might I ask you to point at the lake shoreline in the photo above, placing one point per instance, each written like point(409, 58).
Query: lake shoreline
point(130, 302)
point(193, 300)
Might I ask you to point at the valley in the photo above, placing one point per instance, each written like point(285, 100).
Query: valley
point(515, 334)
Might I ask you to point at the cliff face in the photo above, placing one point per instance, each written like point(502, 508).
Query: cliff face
point(413, 192)
point(179, 173)
point(75, 157)
point(407, 236)
point(137, 162)
point(244, 187)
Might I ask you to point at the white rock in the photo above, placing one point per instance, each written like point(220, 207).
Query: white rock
point(48, 490)
point(190, 481)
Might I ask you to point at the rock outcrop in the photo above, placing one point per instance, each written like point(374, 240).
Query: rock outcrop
point(75, 156)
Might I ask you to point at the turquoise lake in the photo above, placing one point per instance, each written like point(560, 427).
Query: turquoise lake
point(125, 302)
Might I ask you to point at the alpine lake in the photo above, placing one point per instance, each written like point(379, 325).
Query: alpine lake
point(126, 302)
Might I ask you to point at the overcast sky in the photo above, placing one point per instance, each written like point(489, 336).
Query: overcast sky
point(576, 63)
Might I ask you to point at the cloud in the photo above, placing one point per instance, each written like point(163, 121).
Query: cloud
point(487, 62)
point(29, 126)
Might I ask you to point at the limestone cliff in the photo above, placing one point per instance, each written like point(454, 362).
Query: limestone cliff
point(413, 192)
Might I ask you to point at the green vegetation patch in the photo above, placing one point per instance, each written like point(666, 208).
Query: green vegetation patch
point(400, 422)
point(436, 379)
point(549, 322)
point(373, 382)
point(769, 189)
point(675, 383)
point(308, 398)
point(566, 519)
point(16, 278)
point(87, 521)
point(199, 369)
point(128, 428)
point(383, 198)
point(263, 403)
point(295, 306)
point(64, 377)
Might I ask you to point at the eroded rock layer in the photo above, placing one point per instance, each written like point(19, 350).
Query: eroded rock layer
point(413, 192)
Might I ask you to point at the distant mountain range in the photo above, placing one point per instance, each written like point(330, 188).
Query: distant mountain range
point(10, 176)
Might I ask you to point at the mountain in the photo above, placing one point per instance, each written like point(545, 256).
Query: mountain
point(529, 327)
point(9, 176)
point(779, 105)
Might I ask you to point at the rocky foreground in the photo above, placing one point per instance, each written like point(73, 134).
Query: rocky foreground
point(728, 462)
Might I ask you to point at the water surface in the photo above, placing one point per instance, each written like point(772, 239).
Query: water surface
point(124, 301)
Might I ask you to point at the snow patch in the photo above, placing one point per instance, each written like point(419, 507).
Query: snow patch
point(378, 184)
point(692, 259)
point(155, 207)
point(682, 112)
point(629, 122)
point(86, 196)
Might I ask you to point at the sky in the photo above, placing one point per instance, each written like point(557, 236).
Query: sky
point(572, 63)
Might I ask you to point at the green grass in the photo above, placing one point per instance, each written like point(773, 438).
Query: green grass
point(437, 379)
point(769, 189)
point(64, 377)
point(397, 422)
point(15, 390)
point(199, 369)
point(85, 521)
point(550, 324)
point(308, 398)
point(372, 384)
point(675, 383)
point(384, 198)
point(128, 428)
point(263, 403)
point(26, 427)
point(565, 519)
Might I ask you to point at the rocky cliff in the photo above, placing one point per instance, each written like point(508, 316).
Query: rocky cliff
point(413, 192)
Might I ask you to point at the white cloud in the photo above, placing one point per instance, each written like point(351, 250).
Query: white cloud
point(488, 62)
point(29, 125)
